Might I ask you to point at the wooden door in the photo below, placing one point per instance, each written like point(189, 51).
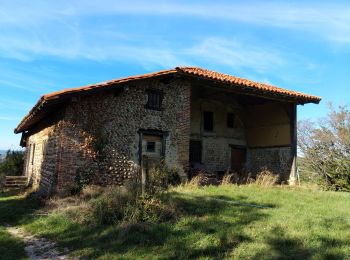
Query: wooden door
point(238, 159)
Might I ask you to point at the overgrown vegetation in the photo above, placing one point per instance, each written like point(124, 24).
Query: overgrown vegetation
point(111, 205)
point(326, 149)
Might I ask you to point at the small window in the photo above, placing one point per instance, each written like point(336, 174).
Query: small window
point(155, 99)
point(230, 120)
point(208, 121)
point(151, 147)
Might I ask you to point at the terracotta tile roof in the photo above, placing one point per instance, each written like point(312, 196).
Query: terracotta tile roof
point(232, 81)
point(224, 78)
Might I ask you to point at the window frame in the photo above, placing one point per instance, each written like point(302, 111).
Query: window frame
point(154, 99)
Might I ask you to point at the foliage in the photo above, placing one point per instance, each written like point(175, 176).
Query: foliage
point(12, 165)
point(83, 177)
point(160, 177)
point(326, 148)
point(97, 205)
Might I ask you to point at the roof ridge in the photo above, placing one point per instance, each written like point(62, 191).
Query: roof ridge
point(234, 81)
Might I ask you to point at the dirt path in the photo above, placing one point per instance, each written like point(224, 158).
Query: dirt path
point(38, 248)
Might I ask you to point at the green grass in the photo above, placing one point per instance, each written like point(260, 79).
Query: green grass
point(13, 210)
point(10, 247)
point(290, 223)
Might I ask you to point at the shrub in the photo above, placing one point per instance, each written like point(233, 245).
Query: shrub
point(83, 177)
point(12, 164)
point(325, 147)
point(160, 177)
point(114, 204)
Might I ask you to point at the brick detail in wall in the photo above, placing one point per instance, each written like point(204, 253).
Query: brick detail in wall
point(184, 128)
point(100, 133)
point(41, 162)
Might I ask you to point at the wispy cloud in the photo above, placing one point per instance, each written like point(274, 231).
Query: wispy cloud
point(10, 104)
point(236, 53)
point(60, 30)
point(329, 20)
point(6, 118)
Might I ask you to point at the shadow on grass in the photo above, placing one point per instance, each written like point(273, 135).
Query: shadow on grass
point(282, 246)
point(207, 228)
point(10, 247)
point(15, 209)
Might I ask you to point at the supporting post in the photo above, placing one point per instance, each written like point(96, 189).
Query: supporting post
point(293, 125)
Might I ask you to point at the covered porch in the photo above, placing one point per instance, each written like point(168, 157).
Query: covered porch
point(242, 131)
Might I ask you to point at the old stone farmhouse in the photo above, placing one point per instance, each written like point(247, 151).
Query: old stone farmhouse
point(190, 117)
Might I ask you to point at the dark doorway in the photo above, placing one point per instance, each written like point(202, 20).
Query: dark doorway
point(195, 151)
point(238, 158)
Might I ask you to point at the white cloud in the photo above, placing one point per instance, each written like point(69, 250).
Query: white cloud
point(40, 29)
point(236, 54)
point(8, 118)
point(329, 20)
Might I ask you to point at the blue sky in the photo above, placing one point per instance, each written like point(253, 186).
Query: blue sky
point(51, 45)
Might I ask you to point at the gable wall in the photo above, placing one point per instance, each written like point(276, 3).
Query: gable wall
point(70, 144)
point(117, 118)
point(41, 163)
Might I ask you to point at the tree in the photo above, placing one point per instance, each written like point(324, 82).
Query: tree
point(13, 163)
point(326, 148)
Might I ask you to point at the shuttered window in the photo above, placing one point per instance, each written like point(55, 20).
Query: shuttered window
point(155, 99)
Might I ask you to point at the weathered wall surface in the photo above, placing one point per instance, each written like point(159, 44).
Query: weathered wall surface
point(268, 125)
point(268, 129)
point(216, 151)
point(113, 120)
point(42, 155)
point(277, 160)
point(104, 127)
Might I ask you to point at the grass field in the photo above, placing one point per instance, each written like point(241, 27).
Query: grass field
point(244, 222)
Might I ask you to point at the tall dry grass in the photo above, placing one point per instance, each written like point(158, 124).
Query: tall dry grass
point(266, 178)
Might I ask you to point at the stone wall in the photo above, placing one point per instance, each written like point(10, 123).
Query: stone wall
point(42, 156)
point(216, 149)
point(100, 133)
point(276, 159)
